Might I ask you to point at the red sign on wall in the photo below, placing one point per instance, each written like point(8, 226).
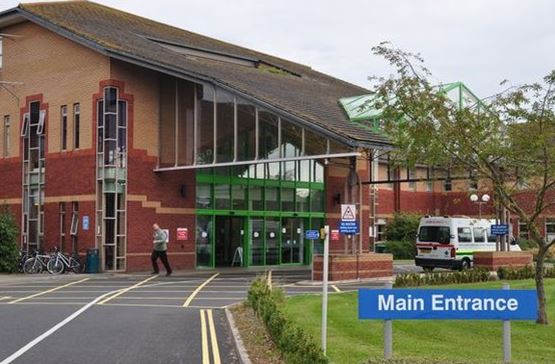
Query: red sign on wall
point(334, 235)
point(182, 234)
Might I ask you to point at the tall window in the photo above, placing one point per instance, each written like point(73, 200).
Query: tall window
point(1, 52)
point(6, 152)
point(63, 127)
point(412, 175)
point(523, 231)
point(448, 185)
point(76, 122)
point(62, 212)
point(74, 225)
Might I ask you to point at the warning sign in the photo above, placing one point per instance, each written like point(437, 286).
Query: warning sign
point(348, 213)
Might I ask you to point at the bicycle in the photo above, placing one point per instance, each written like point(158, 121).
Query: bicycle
point(36, 264)
point(60, 263)
point(23, 256)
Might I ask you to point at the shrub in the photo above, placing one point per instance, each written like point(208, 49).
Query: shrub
point(403, 227)
point(433, 279)
point(9, 253)
point(527, 244)
point(528, 272)
point(296, 346)
point(401, 249)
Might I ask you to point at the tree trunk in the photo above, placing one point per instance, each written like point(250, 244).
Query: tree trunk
point(542, 314)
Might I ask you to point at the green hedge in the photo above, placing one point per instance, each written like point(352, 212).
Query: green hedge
point(527, 272)
point(433, 279)
point(9, 253)
point(296, 346)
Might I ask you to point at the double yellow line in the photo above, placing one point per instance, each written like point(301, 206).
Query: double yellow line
point(206, 315)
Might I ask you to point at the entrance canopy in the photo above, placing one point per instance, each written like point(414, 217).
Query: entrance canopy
point(203, 126)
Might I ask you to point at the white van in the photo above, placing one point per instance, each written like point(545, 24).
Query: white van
point(450, 242)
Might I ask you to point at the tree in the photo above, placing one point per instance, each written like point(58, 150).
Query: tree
point(506, 140)
point(403, 227)
point(8, 245)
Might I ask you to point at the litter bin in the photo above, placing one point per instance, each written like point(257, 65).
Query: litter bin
point(92, 261)
point(380, 248)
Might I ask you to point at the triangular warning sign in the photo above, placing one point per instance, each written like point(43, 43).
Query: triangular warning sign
point(348, 213)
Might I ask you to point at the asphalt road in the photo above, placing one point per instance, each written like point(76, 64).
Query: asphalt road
point(130, 318)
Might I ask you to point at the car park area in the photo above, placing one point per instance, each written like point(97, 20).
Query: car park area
point(130, 318)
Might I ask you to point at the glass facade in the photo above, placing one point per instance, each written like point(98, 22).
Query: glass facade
point(268, 216)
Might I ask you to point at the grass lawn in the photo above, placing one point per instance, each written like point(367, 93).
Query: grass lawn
point(354, 341)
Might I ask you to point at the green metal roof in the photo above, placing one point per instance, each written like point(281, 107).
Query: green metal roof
point(361, 108)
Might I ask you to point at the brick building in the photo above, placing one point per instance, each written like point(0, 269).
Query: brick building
point(111, 122)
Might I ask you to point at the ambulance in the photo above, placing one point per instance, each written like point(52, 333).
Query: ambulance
point(450, 242)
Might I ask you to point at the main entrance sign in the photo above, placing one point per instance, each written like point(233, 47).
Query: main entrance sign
point(455, 304)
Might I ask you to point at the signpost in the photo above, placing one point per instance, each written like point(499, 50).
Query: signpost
point(500, 229)
point(325, 288)
point(349, 223)
point(447, 304)
point(312, 234)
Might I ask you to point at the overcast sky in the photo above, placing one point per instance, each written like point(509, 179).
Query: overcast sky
point(478, 42)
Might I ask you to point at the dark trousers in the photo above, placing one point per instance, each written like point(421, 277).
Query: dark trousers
point(163, 257)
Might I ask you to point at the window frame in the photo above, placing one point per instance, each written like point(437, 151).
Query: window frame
point(76, 125)
point(42, 121)
point(6, 136)
point(63, 127)
point(25, 125)
point(74, 230)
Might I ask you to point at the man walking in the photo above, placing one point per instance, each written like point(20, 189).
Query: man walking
point(159, 250)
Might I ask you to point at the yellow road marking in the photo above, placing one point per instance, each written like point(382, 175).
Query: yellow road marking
point(335, 288)
point(47, 291)
point(127, 289)
point(196, 291)
point(213, 338)
point(204, 337)
point(5, 298)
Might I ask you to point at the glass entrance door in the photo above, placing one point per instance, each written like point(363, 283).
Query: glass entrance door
point(272, 240)
point(229, 240)
point(256, 234)
point(292, 244)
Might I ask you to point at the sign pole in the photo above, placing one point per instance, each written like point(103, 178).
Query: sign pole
point(506, 335)
point(325, 289)
point(388, 334)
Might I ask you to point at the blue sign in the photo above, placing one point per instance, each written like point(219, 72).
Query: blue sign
point(312, 234)
point(85, 223)
point(446, 304)
point(348, 227)
point(499, 230)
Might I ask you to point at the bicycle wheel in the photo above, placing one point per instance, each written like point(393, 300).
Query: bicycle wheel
point(75, 265)
point(55, 266)
point(32, 266)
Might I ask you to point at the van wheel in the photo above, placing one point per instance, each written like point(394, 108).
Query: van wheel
point(428, 269)
point(465, 264)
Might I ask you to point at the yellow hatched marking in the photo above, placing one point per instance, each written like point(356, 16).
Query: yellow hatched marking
point(196, 291)
point(204, 339)
point(47, 291)
point(127, 290)
point(5, 298)
point(213, 338)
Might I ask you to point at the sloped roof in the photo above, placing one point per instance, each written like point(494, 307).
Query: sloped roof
point(297, 90)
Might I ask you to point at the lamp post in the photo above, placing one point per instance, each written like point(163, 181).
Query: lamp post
point(480, 201)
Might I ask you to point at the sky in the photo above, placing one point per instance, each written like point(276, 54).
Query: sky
point(478, 42)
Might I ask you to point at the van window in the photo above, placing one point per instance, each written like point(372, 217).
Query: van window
point(479, 235)
point(438, 234)
point(491, 238)
point(465, 235)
